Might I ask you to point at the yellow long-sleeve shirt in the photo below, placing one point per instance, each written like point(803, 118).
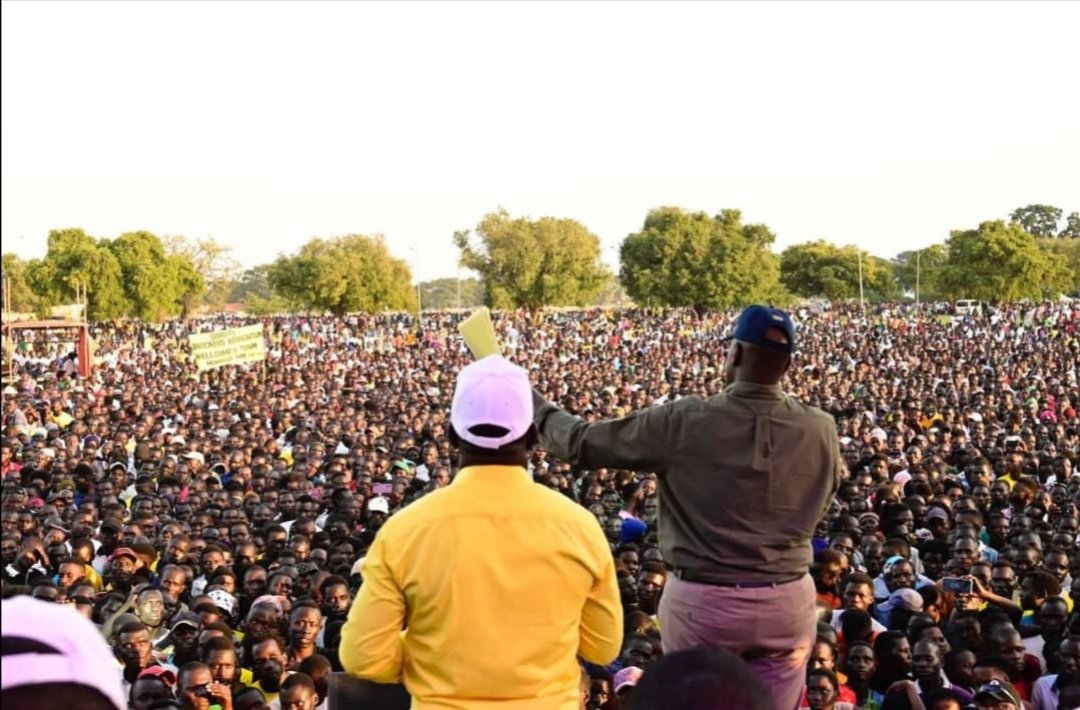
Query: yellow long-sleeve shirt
point(482, 594)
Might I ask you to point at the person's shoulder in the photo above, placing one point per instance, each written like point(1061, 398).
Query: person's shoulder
point(814, 413)
point(429, 506)
point(798, 405)
point(1046, 681)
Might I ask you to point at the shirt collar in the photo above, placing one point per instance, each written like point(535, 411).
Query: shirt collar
point(754, 390)
point(493, 475)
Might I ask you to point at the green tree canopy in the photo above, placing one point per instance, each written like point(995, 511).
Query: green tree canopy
point(821, 268)
point(612, 293)
point(920, 269)
point(1066, 254)
point(1038, 220)
point(252, 288)
point(23, 299)
point(682, 258)
point(73, 259)
point(211, 261)
point(255, 280)
point(527, 263)
point(1000, 262)
point(157, 284)
point(350, 274)
point(1071, 230)
point(442, 294)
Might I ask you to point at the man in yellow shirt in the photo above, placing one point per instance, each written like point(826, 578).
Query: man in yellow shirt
point(483, 593)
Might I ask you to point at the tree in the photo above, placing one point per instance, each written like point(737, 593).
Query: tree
point(919, 269)
point(1000, 262)
point(682, 258)
point(255, 280)
point(527, 263)
point(612, 293)
point(157, 284)
point(821, 268)
point(252, 288)
point(23, 299)
point(75, 259)
point(441, 294)
point(213, 262)
point(349, 274)
point(1038, 220)
point(1065, 253)
point(1071, 230)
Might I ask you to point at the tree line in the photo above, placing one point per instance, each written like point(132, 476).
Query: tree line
point(677, 258)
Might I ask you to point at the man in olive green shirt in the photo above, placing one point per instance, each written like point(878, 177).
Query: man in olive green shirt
point(744, 478)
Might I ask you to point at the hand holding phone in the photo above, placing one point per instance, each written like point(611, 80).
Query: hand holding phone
point(957, 585)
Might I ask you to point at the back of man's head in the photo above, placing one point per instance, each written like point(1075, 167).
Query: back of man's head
point(54, 659)
point(704, 679)
point(491, 415)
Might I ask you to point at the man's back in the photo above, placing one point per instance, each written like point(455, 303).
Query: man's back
point(496, 574)
point(744, 476)
point(747, 478)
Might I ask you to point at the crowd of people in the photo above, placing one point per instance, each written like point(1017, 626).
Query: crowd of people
point(212, 524)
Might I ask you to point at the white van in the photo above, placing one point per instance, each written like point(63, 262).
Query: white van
point(966, 306)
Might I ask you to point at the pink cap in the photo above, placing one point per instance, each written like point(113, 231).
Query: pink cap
point(628, 677)
point(79, 653)
point(492, 391)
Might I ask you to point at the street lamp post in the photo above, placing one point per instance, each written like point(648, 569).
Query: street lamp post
point(862, 302)
point(918, 275)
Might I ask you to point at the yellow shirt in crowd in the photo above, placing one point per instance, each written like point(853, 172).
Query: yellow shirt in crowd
point(482, 594)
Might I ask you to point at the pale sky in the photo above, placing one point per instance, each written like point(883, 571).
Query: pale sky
point(263, 124)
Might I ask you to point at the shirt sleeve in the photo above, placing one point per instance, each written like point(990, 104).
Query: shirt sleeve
point(835, 466)
point(371, 643)
point(601, 617)
point(637, 441)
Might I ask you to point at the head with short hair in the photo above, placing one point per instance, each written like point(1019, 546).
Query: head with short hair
point(298, 691)
point(700, 678)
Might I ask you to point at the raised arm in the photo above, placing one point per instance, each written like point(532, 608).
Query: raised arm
point(637, 441)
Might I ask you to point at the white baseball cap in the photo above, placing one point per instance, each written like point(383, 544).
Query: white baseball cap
point(496, 392)
point(379, 505)
point(76, 653)
point(222, 600)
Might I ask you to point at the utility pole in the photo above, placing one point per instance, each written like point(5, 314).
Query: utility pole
point(862, 302)
point(918, 274)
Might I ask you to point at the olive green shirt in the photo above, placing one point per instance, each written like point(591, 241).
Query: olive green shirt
point(744, 476)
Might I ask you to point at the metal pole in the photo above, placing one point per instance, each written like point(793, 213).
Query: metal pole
point(459, 288)
point(862, 302)
point(419, 301)
point(918, 274)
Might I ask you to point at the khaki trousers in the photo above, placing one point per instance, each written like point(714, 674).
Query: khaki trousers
point(772, 628)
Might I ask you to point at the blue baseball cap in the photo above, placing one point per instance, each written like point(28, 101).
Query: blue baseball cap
point(754, 324)
point(632, 530)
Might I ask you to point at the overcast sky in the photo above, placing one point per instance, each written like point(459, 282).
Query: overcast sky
point(265, 124)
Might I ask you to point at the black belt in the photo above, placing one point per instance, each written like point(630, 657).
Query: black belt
point(698, 578)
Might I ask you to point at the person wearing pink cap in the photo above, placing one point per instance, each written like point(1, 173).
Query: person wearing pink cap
point(52, 652)
point(498, 583)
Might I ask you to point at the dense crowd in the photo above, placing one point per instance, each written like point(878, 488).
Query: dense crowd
point(212, 523)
